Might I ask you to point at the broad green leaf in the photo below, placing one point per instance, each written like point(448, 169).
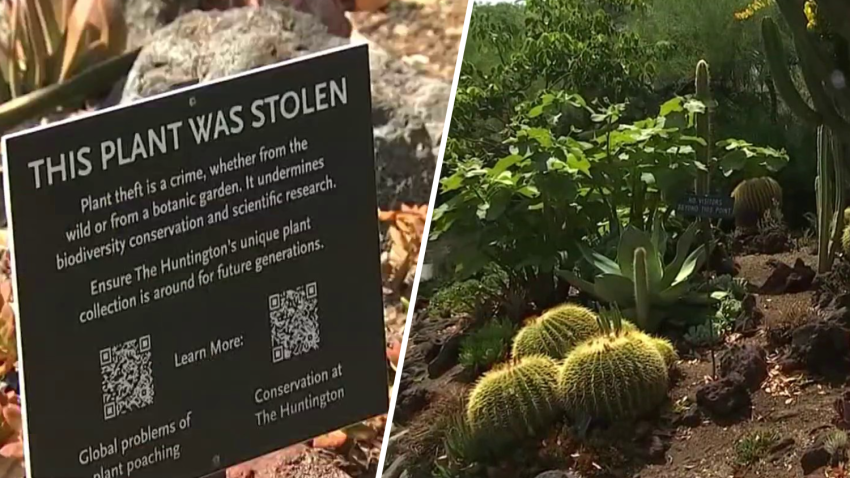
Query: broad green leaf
point(672, 105)
point(597, 260)
point(542, 136)
point(505, 163)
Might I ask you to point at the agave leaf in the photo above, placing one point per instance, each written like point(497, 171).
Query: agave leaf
point(597, 260)
point(38, 60)
point(614, 288)
point(692, 263)
point(659, 237)
point(673, 294)
point(683, 245)
point(13, 73)
point(632, 239)
point(577, 282)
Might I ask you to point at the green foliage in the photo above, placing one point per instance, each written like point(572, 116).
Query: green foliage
point(613, 377)
point(514, 401)
point(459, 298)
point(639, 271)
point(555, 332)
point(559, 184)
point(705, 334)
point(487, 345)
point(836, 443)
point(754, 445)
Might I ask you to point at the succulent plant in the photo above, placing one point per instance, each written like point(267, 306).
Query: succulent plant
point(753, 197)
point(57, 52)
point(51, 40)
point(514, 401)
point(556, 332)
point(618, 375)
point(638, 282)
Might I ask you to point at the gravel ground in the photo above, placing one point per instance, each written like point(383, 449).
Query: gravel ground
point(425, 33)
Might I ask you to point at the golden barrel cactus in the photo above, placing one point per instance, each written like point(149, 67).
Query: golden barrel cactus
point(514, 401)
point(613, 376)
point(753, 198)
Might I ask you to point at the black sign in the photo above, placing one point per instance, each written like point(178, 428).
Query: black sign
point(198, 274)
point(716, 207)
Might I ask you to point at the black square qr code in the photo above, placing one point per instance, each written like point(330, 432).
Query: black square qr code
point(294, 321)
point(127, 383)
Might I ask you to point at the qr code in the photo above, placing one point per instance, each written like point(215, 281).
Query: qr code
point(294, 318)
point(127, 377)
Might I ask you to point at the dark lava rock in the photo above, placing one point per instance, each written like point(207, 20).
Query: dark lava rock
point(823, 347)
point(725, 398)
point(691, 418)
point(781, 446)
point(750, 317)
point(778, 337)
point(788, 280)
point(446, 357)
point(559, 474)
point(840, 315)
point(749, 361)
point(815, 456)
point(657, 451)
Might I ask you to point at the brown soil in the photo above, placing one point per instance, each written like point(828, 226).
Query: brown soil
point(794, 405)
point(425, 33)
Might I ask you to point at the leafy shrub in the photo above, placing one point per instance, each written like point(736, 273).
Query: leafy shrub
point(487, 345)
point(469, 296)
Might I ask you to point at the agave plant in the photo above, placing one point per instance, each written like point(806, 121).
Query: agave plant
point(51, 40)
point(638, 282)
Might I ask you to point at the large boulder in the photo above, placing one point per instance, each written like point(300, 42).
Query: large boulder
point(408, 110)
point(145, 17)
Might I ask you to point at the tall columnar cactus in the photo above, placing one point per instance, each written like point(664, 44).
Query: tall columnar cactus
point(514, 401)
point(556, 332)
point(615, 376)
point(824, 55)
point(830, 191)
point(703, 126)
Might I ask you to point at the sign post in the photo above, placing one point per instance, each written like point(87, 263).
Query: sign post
point(198, 274)
point(712, 207)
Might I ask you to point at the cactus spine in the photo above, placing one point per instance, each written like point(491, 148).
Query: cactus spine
point(641, 288)
point(555, 332)
point(612, 377)
point(666, 349)
point(514, 401)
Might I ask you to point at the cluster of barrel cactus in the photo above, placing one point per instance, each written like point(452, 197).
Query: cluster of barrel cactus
point(571, 361)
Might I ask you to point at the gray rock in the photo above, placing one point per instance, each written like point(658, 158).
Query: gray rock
point(145, 17)
point(408, 110)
